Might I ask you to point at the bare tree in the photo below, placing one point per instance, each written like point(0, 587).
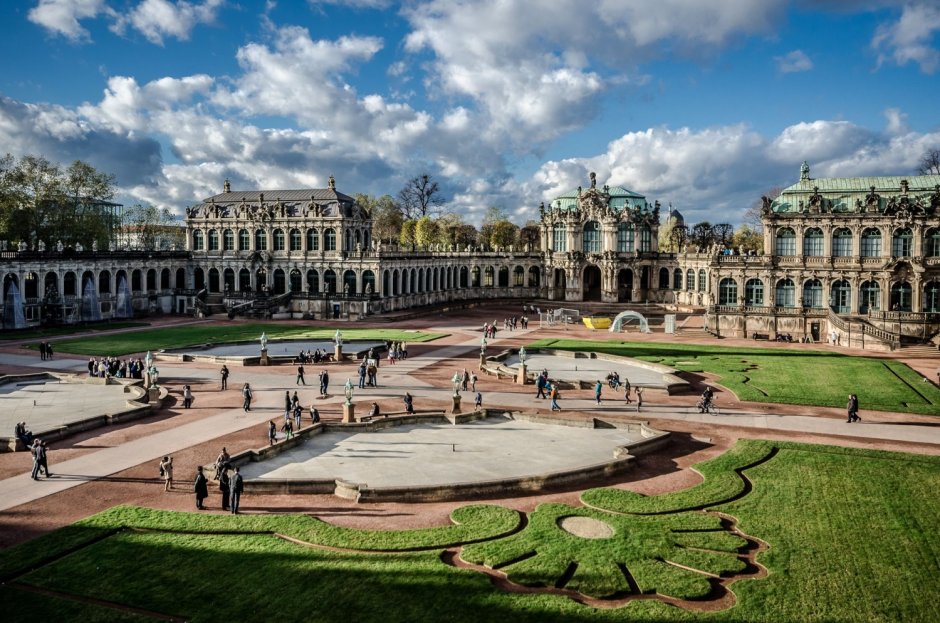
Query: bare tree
point(420, 197)
point(753, 213)
point(722, 232)
point(930, 163)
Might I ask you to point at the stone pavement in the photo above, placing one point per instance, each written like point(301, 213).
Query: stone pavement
point(394, 381)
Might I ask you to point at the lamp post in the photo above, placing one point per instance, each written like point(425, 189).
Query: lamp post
point(338, 346)
point(521, 373)
point(456, 381)
point(349, 409)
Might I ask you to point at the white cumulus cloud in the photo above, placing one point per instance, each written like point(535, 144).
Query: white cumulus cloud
point(912, 38)
point(794, 61)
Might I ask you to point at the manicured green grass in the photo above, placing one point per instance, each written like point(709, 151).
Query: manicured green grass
point(851, 534)
point(41, 334)
point(190, 335)
point(802, 377)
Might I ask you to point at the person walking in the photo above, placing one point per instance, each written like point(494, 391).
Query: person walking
point(465, 379)
point(362, 374)
point(852, 408)
point(626, 390)
point(224, 373)
point(200, 488)
point(553, 394)
point(479, 401)
point(44, 459)
point(166, 470)
point(540, 387)
point(272, 432)
point(187, 397)
point(300, 376)
point(597, 391)
point(298, 411)
point(236, 486)
point(409, 403)
point(639, 398)
point(324, 382)
point(473, 381)
point(247, 395)
point(48, 351)
point(288, 429)
point(224, 487)
point(288, 403)
point(36, 450)
point(42, 351)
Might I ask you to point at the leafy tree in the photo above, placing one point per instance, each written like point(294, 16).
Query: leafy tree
point(671, 235)
point(421, 196)
point(930, 163)
point(746, 238)
point(387, 216)
point(426, 232)
point(465, 234)
point(503, 234)
point(151, 228)
point(407, 236)
point(531, 233)
point(702, 235)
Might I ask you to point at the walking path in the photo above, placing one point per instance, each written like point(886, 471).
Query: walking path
point(394, 381)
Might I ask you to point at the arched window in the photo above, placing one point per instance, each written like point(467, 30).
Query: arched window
point(646, 239)
point(313, 281)
point(215, 284)
point(842, 243)
point(932, 243)
point(213, 240)
point(503, 277)
point(280, 280)
point(279, 240)
point(727, 291)
point(533, 276)
point(329, 239)
point(841, 297)
point(785, 293)
point(228, 240)
point(932, 296)
point(785, 243)
point(228, 280)
point(702, 280)
point(690, 280)
point(261, 240)
point(295, 278)
point(165, 279)
point(559, 237)
point(871, 242)
point(368, 281)
point(198, 240)
point(475, 277)
point(813, 244)
point(869, 298)
point(313, 239)
point(663, 278)
point(901, 296)
point(329, 280)
point(902, 243)
point(104, 282)
point(244, 240)
point(349, 282)
point(812, 293)
point(136, 285)
point(151, 279)
point(592, 237)
point(296, 242)
point(518, 276)
point(488, 277)
point(677, 279)
point(754, 292)
point(625, 238)
point(244, 280)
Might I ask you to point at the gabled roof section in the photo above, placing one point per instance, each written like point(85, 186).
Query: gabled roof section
point(305, 194)
point(882, 183)
point(619, 198)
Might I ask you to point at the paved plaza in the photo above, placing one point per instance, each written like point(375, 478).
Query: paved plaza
point(289, 348)
point(441, 454)
point(48, 404)
point(589, 370)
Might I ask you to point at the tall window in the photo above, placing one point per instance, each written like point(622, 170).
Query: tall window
point(279, 240)
point(812, 293)
point(841, 301)
point(727, 292)
point(902, 243)
point(244, 240)
point(592, 237)
point(754, 292)
point(869, 297)
point(664, 278)
point(295, 241)
point(329, 240)
point(677, 279)
point(690, 280)
point(261, 240)
point(871, 242)
point(842, 243)
point(932, 296)
point(198, 240)
point(813, 242)
point(702, 279)
point(785, 294)
point(228, 240)
point(901, 296)
point(559, 237)
point(213, 240)
point(625, 238)
point(646, 239)
point(786, 242)
point(932, 243)
point(313, 240)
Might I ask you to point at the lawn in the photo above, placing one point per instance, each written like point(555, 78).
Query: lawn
point(41, 334)
point(851, 536)
point(801, 377)
point(189, 335)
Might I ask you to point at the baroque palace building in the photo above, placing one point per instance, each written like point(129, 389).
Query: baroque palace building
point(854, 257)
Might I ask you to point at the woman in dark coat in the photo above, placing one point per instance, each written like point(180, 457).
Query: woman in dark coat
point(201, 488)
point(224, 485)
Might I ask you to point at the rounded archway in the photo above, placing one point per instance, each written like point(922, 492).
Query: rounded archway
point(625, 285)
point(591, 283)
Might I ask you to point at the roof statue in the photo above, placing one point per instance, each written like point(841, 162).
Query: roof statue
point(804, 171)
point(332, 183)
point(593, 179)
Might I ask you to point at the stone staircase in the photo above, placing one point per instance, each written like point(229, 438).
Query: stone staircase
point(919, 351)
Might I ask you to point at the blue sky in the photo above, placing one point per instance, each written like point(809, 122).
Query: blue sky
point(705, 105)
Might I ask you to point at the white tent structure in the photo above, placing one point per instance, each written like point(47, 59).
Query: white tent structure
point(617, 325)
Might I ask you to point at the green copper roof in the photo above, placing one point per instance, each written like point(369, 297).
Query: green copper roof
point(620, 198)
point(883, 183)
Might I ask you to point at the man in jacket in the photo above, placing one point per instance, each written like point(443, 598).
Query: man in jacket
point(236, 486)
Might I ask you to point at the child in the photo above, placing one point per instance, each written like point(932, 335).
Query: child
point(479, 401)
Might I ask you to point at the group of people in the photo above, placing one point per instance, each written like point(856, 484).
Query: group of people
point(314, 356)
point(45, 350)
point(396, 351)
point(368, 373)
point(40, 452)
point(117, 368)
point(23, 434)
point(231, 483)
point(515, 322)
point(547, 389)
point(613, 380)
